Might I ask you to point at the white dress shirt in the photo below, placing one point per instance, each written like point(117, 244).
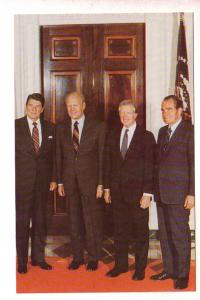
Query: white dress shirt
point(30, 124)
point(174, 126)
point(80, 125)
point(130, 133)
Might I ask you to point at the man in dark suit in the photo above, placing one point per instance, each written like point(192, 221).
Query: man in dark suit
point(80, 144)
point(128, 183)
point(174, 191)
point(34, 151)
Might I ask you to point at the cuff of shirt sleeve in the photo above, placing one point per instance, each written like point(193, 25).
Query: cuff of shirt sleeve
point(147, 194)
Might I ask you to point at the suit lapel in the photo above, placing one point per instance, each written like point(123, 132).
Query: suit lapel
point(118, 135)
point(172, 140)
point(85, 132)
point(162, 139)
point(133, 142)
point(44, 136)
point(175, 135)
point(27, 135)
point(68, 132)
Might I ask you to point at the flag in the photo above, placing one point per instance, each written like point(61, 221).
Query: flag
point(182, 74)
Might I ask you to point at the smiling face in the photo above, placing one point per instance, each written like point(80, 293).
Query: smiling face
point(34, 109)
point(170, 113)
point(75, 106)
point(127, 115)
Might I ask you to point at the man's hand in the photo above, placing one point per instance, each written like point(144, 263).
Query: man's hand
point(61, 190)
point(145, 201)
point(189, 202)
point(99, 192)
point(53, 186)
point(107, 196)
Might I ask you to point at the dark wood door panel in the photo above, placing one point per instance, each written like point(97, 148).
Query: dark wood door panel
point(107, 63)
point(61, 84)
point(118, 85)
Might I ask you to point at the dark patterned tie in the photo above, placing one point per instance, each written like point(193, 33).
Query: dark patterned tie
point(75, 137)
point(35, 137)
point(166, 139)
point(124, 146)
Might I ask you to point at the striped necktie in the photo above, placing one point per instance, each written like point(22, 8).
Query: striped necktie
point(35, 137)
point(75, 137)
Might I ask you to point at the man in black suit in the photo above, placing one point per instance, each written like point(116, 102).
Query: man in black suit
point(34, 151)
point(80, 144)
point(128, 183)
point(174, 191)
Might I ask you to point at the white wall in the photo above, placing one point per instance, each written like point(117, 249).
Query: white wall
point(161, 49)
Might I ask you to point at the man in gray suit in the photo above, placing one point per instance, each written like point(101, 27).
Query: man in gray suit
point(80, 144)
point(174, 191)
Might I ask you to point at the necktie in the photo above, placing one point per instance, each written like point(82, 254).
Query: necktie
point(75, 137)
point(166, 139)
point(35, 137)
point(124, 146)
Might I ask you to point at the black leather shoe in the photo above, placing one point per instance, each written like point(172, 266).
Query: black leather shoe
point(116, 272)
point(161, 276)
point(138, 276)
point(22, 269)
point(92, 265)
point(75, 264)
point(181, 283)
point(43, 265)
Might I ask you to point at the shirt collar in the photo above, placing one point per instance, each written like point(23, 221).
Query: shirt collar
point(30, 121)
point(80, 121)
point(131, 128)
point(175, 125)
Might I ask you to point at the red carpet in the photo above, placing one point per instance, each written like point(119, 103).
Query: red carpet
point(61, 280)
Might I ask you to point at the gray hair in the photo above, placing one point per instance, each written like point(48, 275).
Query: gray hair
point(127, 102)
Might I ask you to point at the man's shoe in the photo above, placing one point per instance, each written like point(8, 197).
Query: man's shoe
point(181, 283)
point(138, 276)
point(22, 269)
point(92, 266)
point(43, 265)
point(116, 272)
point(75, 264)
point(161, 276)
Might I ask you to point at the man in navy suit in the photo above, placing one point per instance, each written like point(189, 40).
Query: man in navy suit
point(35, 175)
point(174, 191)
point(128, 183)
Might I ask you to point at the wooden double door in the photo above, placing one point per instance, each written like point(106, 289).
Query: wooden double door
point(107, 63)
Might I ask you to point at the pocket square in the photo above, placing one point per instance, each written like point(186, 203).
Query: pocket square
point(50, 137)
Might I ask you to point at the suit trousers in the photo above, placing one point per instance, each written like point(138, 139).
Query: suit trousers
point(34, 211)
point(128, 216)
point(85, 214)
point(175, 240)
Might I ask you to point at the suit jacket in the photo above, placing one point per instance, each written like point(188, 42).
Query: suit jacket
point(174, 177)
point(132, 176)
point(31, 167)
point(87, 167)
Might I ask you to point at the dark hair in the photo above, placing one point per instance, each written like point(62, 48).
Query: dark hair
point(37, 97)
point(177, 102)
